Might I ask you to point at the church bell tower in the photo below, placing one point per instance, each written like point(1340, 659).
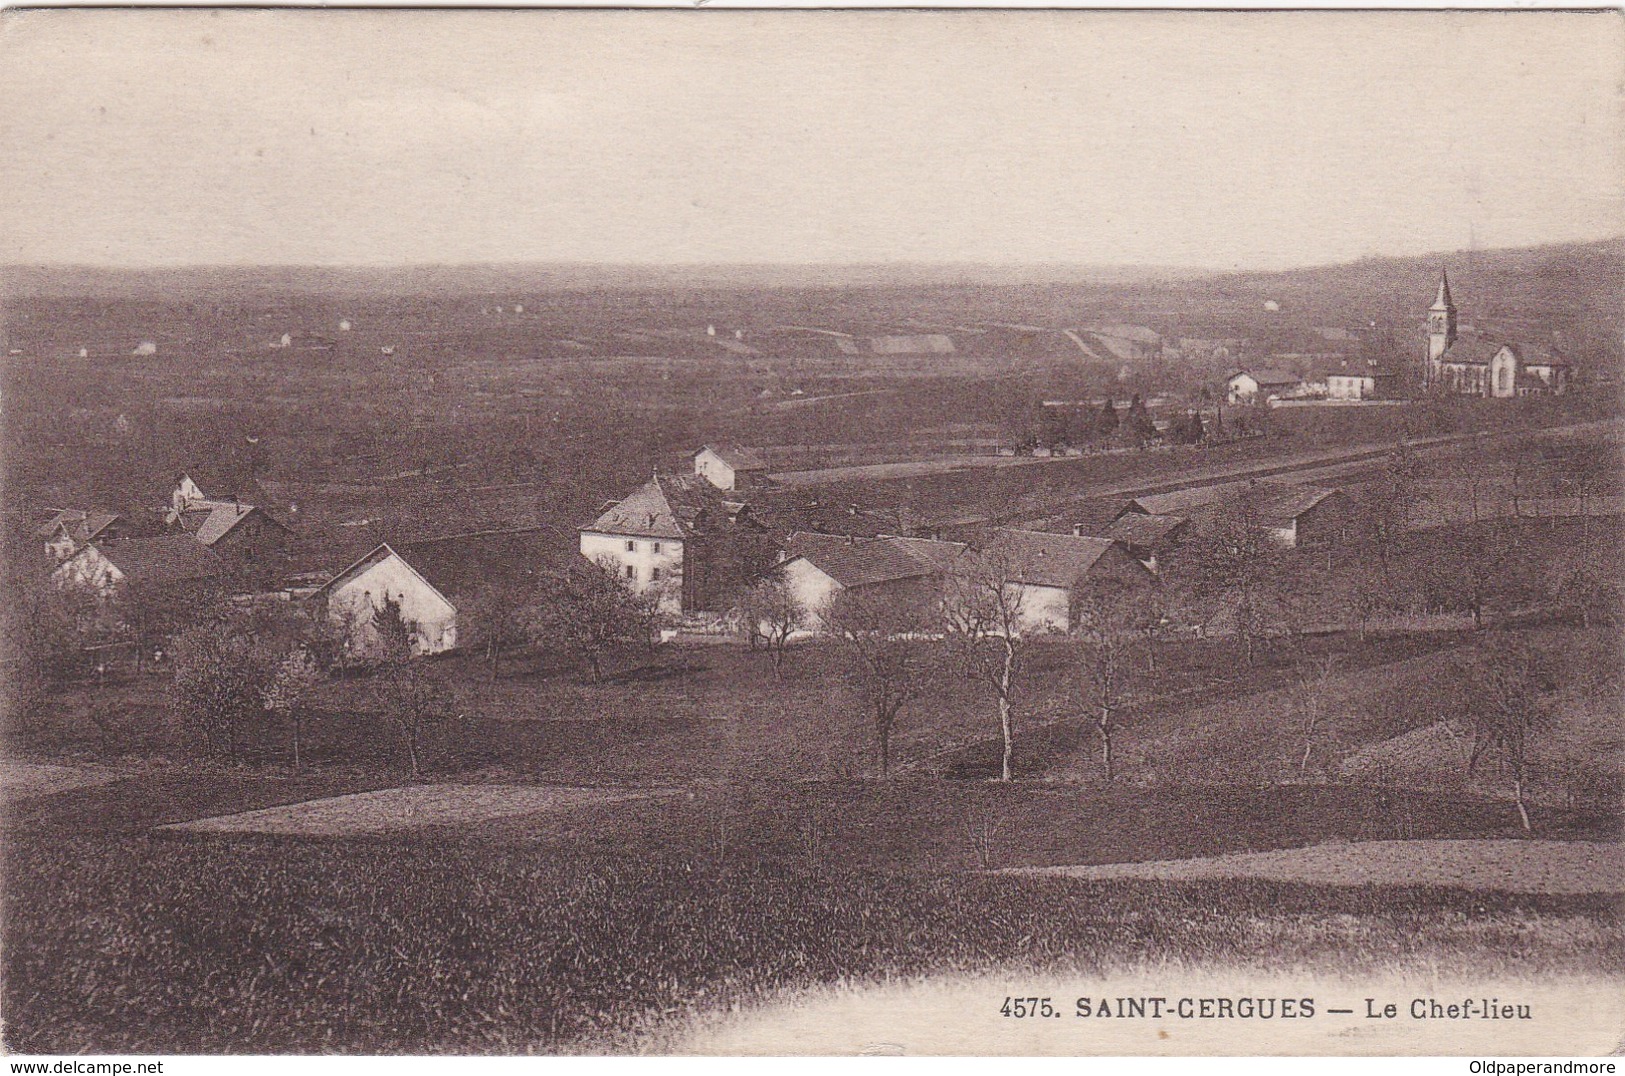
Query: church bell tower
point(1441, 326)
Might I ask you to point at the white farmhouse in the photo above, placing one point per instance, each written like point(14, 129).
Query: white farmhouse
point(1357, 383)
point(675, 534)
point(729, 467)
point(354, 596)
point(817, 567)
point(1049, 569)
point(1256, 386)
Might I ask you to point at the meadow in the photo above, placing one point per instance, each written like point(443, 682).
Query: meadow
point(136, 945)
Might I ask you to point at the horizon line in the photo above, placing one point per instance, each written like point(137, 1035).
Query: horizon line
point(764, 264)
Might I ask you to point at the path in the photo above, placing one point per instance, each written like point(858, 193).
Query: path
point(1518, 866)
point(411, 807)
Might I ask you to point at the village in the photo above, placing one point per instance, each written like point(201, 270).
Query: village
point(692, 545)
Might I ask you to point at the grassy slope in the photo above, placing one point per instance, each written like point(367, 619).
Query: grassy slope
point(138, 945)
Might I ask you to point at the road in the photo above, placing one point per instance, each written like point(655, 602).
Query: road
point(1299, 467)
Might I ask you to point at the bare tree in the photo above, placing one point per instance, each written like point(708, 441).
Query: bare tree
point(588, 613)
point(1314, 692)
point(497, 613)
point(889, 659)
point(981, 613)
point(1389, 502)
point(768, 615)
point(292, 681)
point(415, 701)
point(1507, 710)
point(220, 672)
point(1104, 623)
point(1232, 561)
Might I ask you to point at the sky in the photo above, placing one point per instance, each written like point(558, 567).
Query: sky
point(1213, 140)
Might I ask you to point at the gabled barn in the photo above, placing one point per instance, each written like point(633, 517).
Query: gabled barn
point(729, 467)
point(1050, 570)
point(356, 594)
point(817, 567)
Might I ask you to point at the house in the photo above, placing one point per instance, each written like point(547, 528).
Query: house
point(1050, 569)
point(354, 596)
point(170, 563)
point(817, 567)
point(729, 467)
point(1361, 383)
point(1256, 386)
point(71, 528)
point(1145, 536)
point(676, 534)
point(1299, 517)
point(1471, 364)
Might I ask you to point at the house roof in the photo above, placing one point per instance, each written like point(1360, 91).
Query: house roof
point(1179, 501)
point(740, 459)
point(80, 526)
point(1039, 558)
point(175, 558)
point(856, 562)
point(1142, 530)
point(64, 518)
point(1292, 502)
point(222, 518)
point(461, 563)
point(1360, 371)
point(666, 506)
point(379, 553)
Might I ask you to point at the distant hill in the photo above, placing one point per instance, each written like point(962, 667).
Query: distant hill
point(56, 280)
point(1560, 280)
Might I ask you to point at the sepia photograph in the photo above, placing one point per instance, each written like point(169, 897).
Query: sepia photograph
point(718, 532)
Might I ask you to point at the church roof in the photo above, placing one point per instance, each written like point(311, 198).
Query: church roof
point(1472, 351)
point(1479, 350)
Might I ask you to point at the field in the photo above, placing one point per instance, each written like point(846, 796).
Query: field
point(184, 947)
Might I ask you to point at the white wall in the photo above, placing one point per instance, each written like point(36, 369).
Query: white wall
point(1504, 374)
point(812, 589)
point(709, 466)
point(360, 596)
point(646, 557)
point(1350, 387)
point(1043, 609)
point(1242, 388)
point(90, 570)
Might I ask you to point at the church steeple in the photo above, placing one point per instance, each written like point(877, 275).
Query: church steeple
point(1441, 326)
point(1443, 302)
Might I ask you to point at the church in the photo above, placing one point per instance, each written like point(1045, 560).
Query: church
point(1477, 365)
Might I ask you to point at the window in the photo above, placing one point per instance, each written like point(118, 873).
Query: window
point(654, 547)
point(631, 546)
point(654, 575)
point(631, 572)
